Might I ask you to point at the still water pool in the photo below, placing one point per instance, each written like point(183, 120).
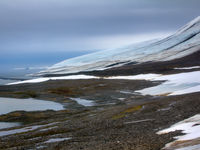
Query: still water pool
point(12, 104)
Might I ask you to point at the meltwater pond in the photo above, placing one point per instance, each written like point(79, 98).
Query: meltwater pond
point(12, 104)
point(4, 125)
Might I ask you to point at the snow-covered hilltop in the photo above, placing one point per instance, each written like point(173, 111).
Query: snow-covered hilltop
point(182, 43)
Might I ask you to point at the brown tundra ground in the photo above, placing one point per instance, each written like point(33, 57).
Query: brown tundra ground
point(120, 119)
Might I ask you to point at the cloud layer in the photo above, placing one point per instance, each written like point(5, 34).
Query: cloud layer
point(67, 25)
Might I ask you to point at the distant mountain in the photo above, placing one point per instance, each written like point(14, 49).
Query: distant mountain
point(185, 42)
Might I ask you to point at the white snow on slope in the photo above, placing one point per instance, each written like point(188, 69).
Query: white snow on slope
point(136, 77)
point(83, 102)
point(175, 84)
point(181, 78)
point(44, 79)
point(183, 42)
point(77, 77)
point(194, 147)
point(187, 68)
point(57, 140)
point(188, 90)
point(190, 127)
point(37, 80)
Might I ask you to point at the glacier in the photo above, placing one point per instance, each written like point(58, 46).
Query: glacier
point(182, 43)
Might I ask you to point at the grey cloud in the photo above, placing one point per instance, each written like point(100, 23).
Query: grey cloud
point(47, 24)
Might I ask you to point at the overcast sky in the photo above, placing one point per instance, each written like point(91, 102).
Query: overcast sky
point(40, 27)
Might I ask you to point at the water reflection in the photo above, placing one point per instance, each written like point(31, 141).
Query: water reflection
point(12, 104)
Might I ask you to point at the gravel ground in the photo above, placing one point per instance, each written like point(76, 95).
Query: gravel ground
point(118, 121)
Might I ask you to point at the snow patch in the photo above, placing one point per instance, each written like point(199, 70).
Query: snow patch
point(44, 79)
point(188, 90)
point(57, 140)
point(187, 68)
point(194, 147)
point(190, 127)
point(136, 77)
point(83, 102)
point(175, 84)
